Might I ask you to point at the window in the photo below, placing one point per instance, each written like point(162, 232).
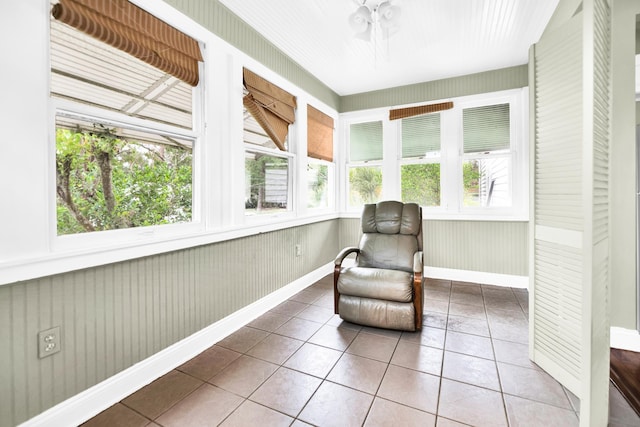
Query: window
point(320, 166)
point(365, 163)
point(486, 162)
point(124, 127)
point(268, 112)
point(462, 158)
point(420, 161)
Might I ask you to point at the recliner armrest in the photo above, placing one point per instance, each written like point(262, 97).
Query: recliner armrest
point(417, 262)
point(344, 253)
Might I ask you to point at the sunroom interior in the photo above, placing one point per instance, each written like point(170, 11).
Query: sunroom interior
point(223, 205)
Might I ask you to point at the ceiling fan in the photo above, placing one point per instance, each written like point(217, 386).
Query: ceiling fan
point(373, 14)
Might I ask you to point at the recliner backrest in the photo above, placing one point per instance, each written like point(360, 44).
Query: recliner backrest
point(392, 233)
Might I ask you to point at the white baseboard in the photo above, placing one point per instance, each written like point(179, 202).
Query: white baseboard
point(625, 339)
point(481, 277)
point(101, 396)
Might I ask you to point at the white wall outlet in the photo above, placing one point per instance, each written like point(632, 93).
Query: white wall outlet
point(49, 342)
point(298, 250)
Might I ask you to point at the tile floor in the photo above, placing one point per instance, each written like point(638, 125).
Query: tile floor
point(299, 364)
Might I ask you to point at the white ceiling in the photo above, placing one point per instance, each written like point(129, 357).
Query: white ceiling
point(437, 38)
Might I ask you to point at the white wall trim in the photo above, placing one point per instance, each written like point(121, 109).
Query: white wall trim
point(625, 339)
point(87, 404)
point(481, 277)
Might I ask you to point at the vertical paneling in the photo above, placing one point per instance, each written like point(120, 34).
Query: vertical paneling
point(117, 315)
point(487, 246)
point(221, 21)
point(488, 81)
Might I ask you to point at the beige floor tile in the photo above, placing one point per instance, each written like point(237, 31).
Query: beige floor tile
point(437, 283)
point(336, 405)
point(389, 333)
point(339, 323)
point(386, 413)
point(445, 422)
point(333, 337)
point(243, 339)
point(325, 301)
point(252, 414)
point(270, 321)
point(358, 372)
point(209, 363)
point(620, 412)
point(468, 325)
point(275, 348)
point(524, 412)
point(513, 353)
point(437, 294)
point(313, 360)
point(300, 329)
point(208, 405)
point(434, 320)
point(472, 345)
point(316, 314)
point(467, 299)
point(411, 388)
point(466, 310)
point(470, 370)
point(465, 288)
point(418, 357)
point(286, 391)
point(533, 384)
point(432, 337)
point(244, 375)
point(155, 398)
point(117, 415)
point(471, 405)
point(373, 346)
point(509, 331)
point(289, 308)
point(307, 296)
point(436, 305)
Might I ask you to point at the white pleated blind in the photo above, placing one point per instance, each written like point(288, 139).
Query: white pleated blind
point(486, 128)
point(365, 141)
point(420, 135)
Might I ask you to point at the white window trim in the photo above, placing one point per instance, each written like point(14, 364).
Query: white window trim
point(451, 156)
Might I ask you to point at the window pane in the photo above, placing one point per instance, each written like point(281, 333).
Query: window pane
point(486, 128)
point(421, 184)
point(365, 185)
point(421, 136)
point(365, 141)
point(486, 182)
point(89, 71)
point(317, 184)
point(109, 178)
point(267, 184)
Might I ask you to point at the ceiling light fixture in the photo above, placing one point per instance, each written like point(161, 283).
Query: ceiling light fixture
point(372, 16)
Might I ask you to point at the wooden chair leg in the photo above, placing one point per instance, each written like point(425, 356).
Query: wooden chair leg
point(417, 299)
point(336, 295)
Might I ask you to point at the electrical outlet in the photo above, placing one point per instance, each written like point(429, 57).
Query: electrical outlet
point(49, 342)
point(298, 250)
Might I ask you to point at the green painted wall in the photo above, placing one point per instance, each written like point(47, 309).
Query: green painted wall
point(488, 81)
point(119, 314)
point(486, 246)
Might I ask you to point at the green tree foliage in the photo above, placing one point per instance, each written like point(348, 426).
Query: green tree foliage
point(105, 182)
point(256, 170)
point(318, 184)
point(471, 182)
point(421, 184)
point(366, 184)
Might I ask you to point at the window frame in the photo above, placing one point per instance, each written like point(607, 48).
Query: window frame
point(362, 163)
point(451, 158)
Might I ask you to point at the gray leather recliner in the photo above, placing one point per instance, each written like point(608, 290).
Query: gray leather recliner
point(384, 287)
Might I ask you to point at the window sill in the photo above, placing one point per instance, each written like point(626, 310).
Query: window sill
point(62, 261)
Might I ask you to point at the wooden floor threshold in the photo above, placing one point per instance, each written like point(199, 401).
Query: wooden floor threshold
point(625, 375)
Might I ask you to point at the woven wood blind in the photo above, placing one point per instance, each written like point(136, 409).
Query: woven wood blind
point(402, 113)
point(272, 107)
point(319, 135)
point(125, 26)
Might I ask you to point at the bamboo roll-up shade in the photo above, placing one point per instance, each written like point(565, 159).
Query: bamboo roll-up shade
point(319, 135)
point(271, 97)
point(125, 26)
point(402, 113)
point(273, 125)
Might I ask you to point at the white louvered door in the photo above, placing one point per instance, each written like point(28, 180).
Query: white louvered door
point(569, 223)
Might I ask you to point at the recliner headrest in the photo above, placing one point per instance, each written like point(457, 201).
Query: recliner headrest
point(391, 217)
